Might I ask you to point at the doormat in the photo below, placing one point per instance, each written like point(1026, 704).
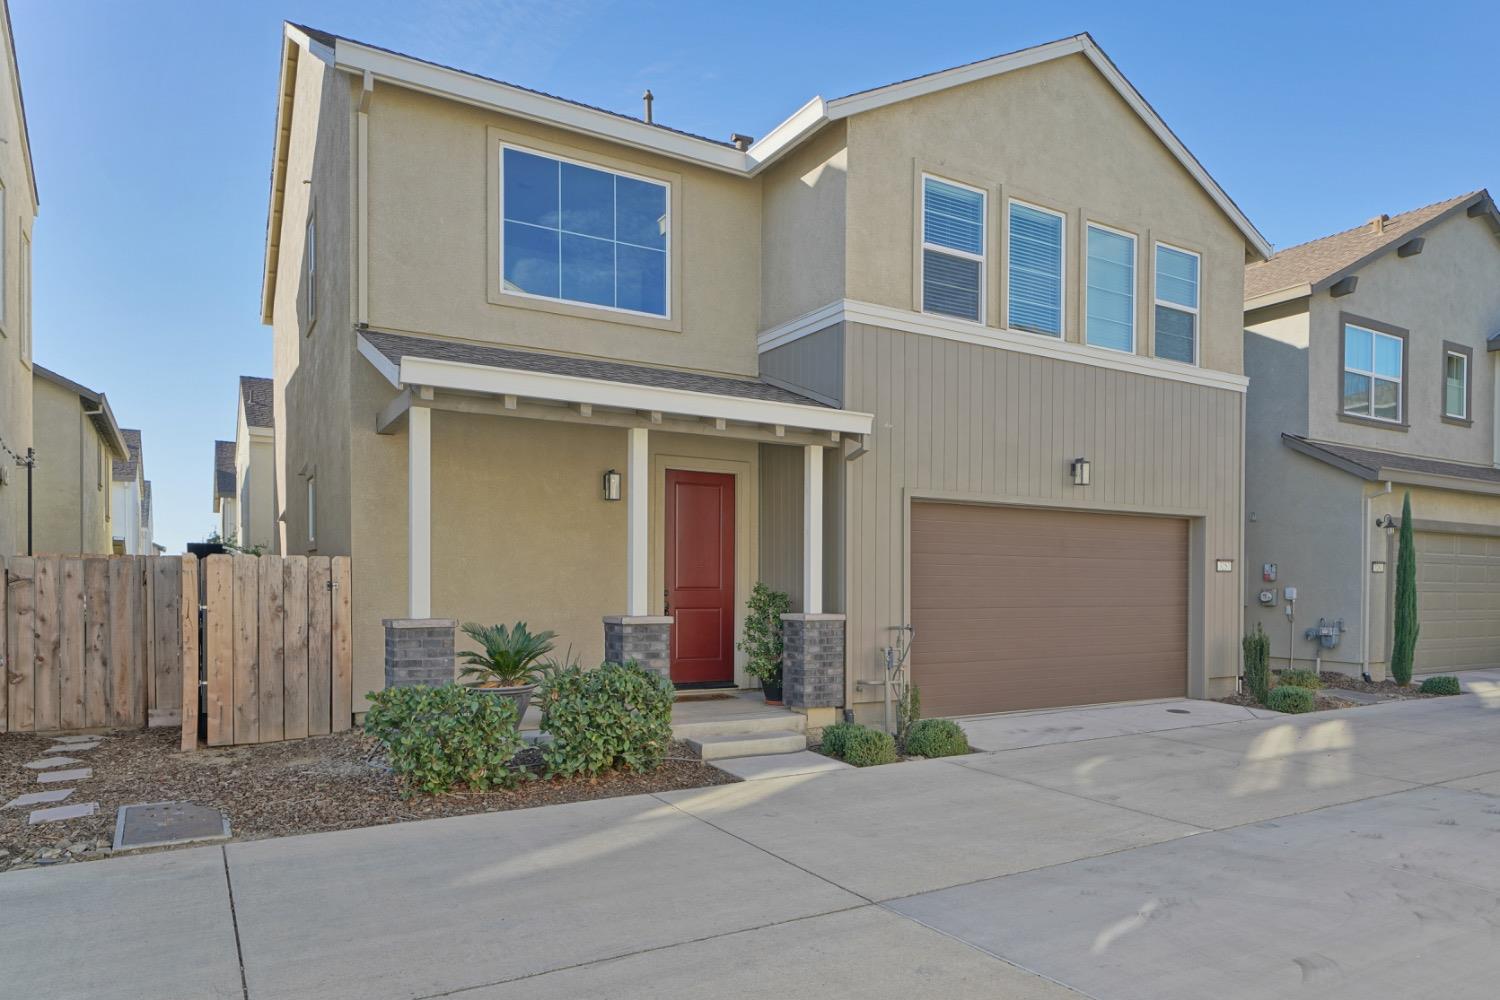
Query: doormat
point(167, 824)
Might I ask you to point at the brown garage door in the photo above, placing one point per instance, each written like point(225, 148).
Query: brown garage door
point(1020, 608)
point(1458, 601)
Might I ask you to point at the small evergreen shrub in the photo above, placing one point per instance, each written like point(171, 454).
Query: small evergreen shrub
point(1291, 700)
point(1441, 685)
point(1406, 628)
point(619, 715)
point(836, 736)
point(1257, 646)
point(867, 747)
point(440, 738)
point(1299, 678)
point(936, 738)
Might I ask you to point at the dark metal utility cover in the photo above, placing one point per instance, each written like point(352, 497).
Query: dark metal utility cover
point(165, 824)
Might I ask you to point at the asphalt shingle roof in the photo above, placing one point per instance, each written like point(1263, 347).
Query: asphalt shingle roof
point(125, 470)
point(1310, 263)
point(260, 401)
point(395, 346)
point(1372, 461)
point(224, 485)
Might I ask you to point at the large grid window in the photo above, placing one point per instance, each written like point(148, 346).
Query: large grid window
point(1176, 304)
point(581, 234)
point(953, 248)
point(1110, 300)
point(1456, 385)
point(1035, 285)
point(1372, 373)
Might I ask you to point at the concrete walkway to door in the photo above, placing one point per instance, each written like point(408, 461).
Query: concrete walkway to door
point(1339, 855)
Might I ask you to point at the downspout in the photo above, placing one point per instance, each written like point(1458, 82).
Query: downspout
point(1364, 579)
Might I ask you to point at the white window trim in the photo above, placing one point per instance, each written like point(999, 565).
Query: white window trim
point(982, 257)
point(1062, 290)
point(666, 314)
point(1156, 300)
point(1464, 395)
point(1372, 376)
point(1135, 270)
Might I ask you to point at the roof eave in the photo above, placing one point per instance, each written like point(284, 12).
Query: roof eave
point(1289, 294)
point(1480, 198)
point(1329, 458)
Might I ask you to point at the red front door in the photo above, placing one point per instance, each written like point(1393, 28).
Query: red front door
point(700, 575)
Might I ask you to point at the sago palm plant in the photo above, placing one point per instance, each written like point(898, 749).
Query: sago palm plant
point(507, 657)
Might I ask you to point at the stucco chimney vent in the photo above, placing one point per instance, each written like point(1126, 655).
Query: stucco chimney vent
point(741, 142)
point(647, 98)
point(1377, 224)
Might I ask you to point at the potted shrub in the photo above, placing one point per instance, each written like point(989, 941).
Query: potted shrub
point(762, 639)
point(506, 663)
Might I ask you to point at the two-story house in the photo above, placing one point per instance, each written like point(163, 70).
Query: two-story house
point(255, 524)
point(77, 442)
point(540, 361)
point(130, 510)
point(1369, 353)
point(226, 495)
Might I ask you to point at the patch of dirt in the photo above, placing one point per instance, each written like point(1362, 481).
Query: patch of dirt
point(322, 783)
point(1321, 703)
point(1388, 688)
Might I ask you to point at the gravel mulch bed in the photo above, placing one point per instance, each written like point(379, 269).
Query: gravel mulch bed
point(273, 789)
point(1321, 703)
point(1388, 688)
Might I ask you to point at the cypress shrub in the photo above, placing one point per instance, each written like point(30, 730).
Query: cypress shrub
point(1404, 647)
point(1257, 647)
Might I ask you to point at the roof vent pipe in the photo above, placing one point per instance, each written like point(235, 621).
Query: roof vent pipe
point(646, 97)
point(1377, 224)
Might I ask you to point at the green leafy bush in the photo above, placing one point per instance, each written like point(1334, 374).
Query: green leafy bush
point(836, 737)
point(1257, 646)
point(1291, 700)
point(761, 641)
point(1441, 685)
point(1299, 678)
point(440, 737)
point(619, 715)
point(936, 738)
point(868, 747)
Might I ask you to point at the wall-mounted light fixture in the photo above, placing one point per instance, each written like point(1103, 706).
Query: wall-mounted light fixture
point(611, 485)
point(1082, 472)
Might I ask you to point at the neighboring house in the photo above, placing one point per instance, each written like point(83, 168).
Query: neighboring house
point(1372, 375)
point(226, 495)
point(77, 440)
point(146, 544)
point(18, 204)
point(130, 522)
point(255, 465)
point(962, 352)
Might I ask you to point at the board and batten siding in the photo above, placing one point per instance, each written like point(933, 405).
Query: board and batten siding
point(974, 423)
point(780, 557)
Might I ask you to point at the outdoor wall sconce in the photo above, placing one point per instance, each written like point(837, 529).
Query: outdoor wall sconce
point(611, 485)
point(1082, 472)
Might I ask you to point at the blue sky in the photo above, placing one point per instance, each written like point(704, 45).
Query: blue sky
point(151, 128)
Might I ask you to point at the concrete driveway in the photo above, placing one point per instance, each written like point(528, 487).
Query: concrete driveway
point(1348, 854)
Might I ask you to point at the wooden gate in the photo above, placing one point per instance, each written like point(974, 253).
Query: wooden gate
point(277, 648)
point(96, 642)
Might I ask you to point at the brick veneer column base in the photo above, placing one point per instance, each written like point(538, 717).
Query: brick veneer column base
point(646, 639)
point(812, 661)
point(419, 652)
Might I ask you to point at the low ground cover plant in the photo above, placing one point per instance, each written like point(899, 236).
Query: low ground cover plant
point(1299, 678)
point(1291, 699)
point(440, 738)
point(1441, 685)
point(835, 737)
point(616, 716)
point(936, 738)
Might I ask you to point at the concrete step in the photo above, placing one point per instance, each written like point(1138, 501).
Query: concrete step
point(724, 745)
point(732, 725)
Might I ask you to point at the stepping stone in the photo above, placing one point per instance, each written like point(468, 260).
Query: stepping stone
point(37, 798)
point(58, 813)
point(76, 774)
point(70, 748)
point(163, 824)
point(82, 738)
point(46, 762)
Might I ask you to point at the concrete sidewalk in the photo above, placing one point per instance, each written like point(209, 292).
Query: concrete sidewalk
point(1338, 854)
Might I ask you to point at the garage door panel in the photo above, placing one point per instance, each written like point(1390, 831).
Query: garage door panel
point(1020, 608)
point(1458, 601)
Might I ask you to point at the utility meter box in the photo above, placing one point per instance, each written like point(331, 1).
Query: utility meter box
point(1290, 593)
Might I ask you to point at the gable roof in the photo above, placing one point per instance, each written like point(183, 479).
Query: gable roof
point(224, 473)
point(125, 470)
point(1311, 267)
point(97, 405)
point(380, 64)
point(259, 396)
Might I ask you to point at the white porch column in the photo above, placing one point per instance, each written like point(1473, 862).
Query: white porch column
point(419, 512)
point(812, 529)
point(637, 504)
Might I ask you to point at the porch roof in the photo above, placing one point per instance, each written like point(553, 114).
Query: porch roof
point(1376, 465)
point(408, 362)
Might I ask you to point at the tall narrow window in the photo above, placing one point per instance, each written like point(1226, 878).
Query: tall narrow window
point(1372, 373)
point(582, 234)
point(1035, 288)
point(1176, 304)
point(952, 249)
point(1110, 297)
point(310, 257)
point(1456, 385)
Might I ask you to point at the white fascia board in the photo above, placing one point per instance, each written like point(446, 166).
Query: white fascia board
point(549, 386)
point(383, 364)
point(789, 134)
point(466, 87)
point(1279, 296)
point(945, 328)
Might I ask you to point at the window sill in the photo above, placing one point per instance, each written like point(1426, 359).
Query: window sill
point(1386, 425)
point(1457, 421)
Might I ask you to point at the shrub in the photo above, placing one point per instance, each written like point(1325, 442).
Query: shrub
point(1441, 685)
point(936, 738)
point(1299, 678)
point(1257, 647)
point(836, 737)
point(761, 641)
point(867, 747)
point(438, 738)
point(619, 715)
point(1291, 700)
point(1404, 644)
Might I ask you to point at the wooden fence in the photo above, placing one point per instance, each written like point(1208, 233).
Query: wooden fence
point(277, 648)
point(95, 642)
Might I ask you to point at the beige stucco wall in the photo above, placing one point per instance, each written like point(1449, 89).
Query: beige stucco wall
point(72, 475)
point(1058, 135)
point(802, 223)
point(433, 217)
point(255, 474)
point(15, 361)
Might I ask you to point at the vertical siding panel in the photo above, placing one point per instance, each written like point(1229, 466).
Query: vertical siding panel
point(70, 656)
point(48, 695)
